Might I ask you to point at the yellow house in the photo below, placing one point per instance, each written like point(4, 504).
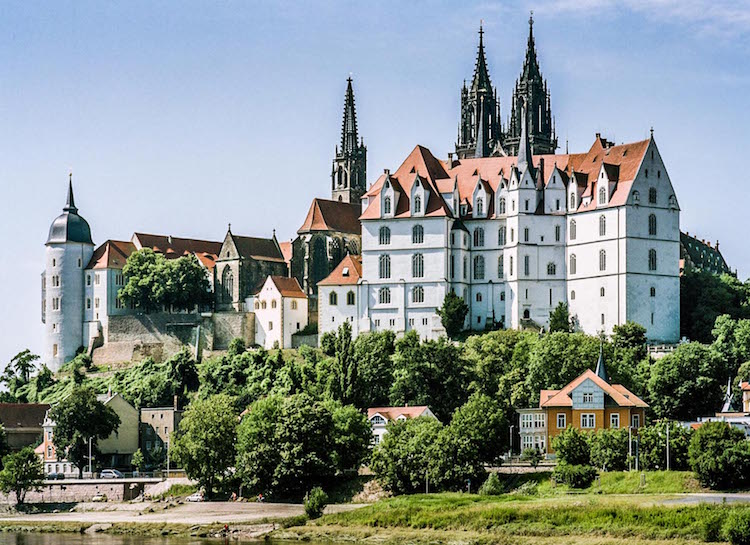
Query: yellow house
point(588, 403)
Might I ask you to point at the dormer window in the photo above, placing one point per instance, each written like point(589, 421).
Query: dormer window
point(387, 205)
point(417, 204)
point(377, 420)
point(345, 271)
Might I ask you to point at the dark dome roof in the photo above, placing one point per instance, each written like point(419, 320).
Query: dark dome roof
point(69, 226)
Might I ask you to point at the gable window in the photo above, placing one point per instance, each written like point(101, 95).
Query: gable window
point(417, 294)
point(417, 234)
point(602, 195)
point(561, 421)
point(479, 267)
point(294, 305)
point(588, 421)
point(526, 205)
point(501, 236)
point(387, 205)
point(377, 420)
point(572, 266)
point(480, 206)
point(614, 420)
point(501, 207)
point(350, 298)
point(551, 269)
point(652, 260)
point(636, 197)
point(652, 225)
point(385, 235)
point(478, 237)
point(572, 229)
point(273, 303)
point(385, 266)
point(652, 195)
point(417, 204)
point(602, 260)
point(417, 266)
point(333, 298)
point(572, 201)
point(384, 296)
point(602, 226)
point(588, 397)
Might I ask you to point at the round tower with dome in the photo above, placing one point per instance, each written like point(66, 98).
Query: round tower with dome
point(68, 250)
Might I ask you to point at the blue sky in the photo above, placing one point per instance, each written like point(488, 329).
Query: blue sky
point(180, 117)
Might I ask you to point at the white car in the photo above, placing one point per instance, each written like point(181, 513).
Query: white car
point(198, 496)
point(110, 474)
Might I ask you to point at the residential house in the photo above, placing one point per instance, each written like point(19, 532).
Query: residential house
point(280, 311)
point(22, 423)
point(380, 416)
point(157, 426)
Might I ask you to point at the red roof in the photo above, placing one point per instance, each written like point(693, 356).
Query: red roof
point(286, 251)
point(392, 413)
point(325, 215)
point(112, 254)
point(288, 287)
point(348, 271)
point(173, 247)
point(561, 398)
point(22, 415)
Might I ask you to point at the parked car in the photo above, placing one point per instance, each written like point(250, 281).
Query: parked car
point(55, 476)
point(99, 498)
point(111, 474)
point(198, 496)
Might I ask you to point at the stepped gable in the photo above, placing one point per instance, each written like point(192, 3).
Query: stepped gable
point(327, 215)
point(111, 255)
point(349, 271)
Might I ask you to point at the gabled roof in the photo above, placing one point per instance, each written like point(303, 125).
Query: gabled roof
point(286, 251)
point(260, 249)
point(111, 255)
point(22, 415)
point(561, 398)
point(392, 413)
point(327, 215)
point(700, 254)
point(288, 287)
point(348, 271)
point(173, 247)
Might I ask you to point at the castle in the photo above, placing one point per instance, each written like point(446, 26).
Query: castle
point(505, 222)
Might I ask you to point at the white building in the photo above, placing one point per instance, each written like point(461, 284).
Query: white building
point(380, 416)
point(515, 236)
point(341, 292)
point(280, 311)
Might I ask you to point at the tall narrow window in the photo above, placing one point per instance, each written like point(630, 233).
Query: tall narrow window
point(385, 235)
point(333, 298)
point(501, 236)
point(453, 267)
point(602, 226)
point(465, 271)
point(572, 201)
point(417, 294)
point(602, 195)
point(572, 229)
point(500, 267)
point(652, 195)
point(384, 296)
point(479, 267)
point(557, 233)
point(652, 260)
point(572, 266)
point(385, 266)
point(480, 206)
point(417, 204)
point(501, 207)
point(417, 234)
point(525, 234)
point(602, 260)
point(227, 282)
point(417, 266)
point(478, 237)
point(526, 265)
point(350, 298)
point(510, 263)
point(551, 269)
point(387, 205)
point(652, 225)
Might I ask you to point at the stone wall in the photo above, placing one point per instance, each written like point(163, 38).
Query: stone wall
point(226, 326)
point(71, 491)
point(305, 340)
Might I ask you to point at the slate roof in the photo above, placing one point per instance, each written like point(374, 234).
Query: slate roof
point(699, 254)
point(22, 415)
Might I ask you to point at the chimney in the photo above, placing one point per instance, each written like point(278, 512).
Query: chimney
point(175, 402)
point(386, 171)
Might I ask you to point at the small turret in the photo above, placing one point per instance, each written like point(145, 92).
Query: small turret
point(601, 369)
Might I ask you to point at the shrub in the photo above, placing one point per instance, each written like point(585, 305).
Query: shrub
point(609, 449)
point(738, 527)
point(711, 526)
point(492, 486)
point(575, 476)
point(719, 456)
point(572, 447)
point(315, 503)
point(532, 455)
point(529, 488)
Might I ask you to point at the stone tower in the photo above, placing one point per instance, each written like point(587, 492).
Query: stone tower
point(68, 250)
point(531, 95)
point(349, 172)
point(479, 131)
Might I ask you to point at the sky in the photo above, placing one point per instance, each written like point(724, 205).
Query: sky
point(181, 117)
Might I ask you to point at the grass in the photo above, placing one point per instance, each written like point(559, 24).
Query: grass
point(177, 491)
point(615, 482)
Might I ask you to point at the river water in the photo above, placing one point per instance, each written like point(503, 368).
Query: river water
point(103, 539)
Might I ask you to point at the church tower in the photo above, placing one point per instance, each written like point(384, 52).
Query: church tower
point(349, 172)
point(479, 129)
point(68, 250)
point(531, 95)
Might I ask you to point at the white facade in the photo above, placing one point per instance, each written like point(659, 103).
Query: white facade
point(379, 418)
point(280, 311)
point(598, 231)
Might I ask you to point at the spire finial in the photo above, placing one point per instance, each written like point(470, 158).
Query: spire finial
point(229, 228)
point(652, 131)
point(70, 203)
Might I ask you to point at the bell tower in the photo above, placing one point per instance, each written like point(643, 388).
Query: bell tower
point(349, 172)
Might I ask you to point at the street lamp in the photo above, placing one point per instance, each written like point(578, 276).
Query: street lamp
point(510, 448)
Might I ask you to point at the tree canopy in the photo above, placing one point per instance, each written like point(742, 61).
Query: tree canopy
point(453, 314)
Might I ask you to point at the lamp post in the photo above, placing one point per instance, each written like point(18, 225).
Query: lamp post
point(510, 448)
point(90, 472)
point(667, 445)
point(630, 448)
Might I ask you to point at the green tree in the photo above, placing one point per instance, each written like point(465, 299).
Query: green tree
point(532, 456)
point(609, 449)
point(257, 455)
point(482, 423)
point(22, 471)
point(78, 418)
point(453, 314)
point(138, 461)
point(4, 447)
point(652, 446)
point(454, 460)
point(687, 383)
point(559, 319)
point(704, 297)
point(205, 441)
point(572, 447)
point(720, 456)
point(344, 384)
point(732, 342)
point(146, 282)
point(187, 283)
point(352, 435)
point(24, 363)
point(374, 352)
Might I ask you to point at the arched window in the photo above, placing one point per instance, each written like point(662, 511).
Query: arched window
point(417, 266)
point(653, 291)
point(417, 234)
point(652, 260)
point(652, 195)
point(227, 281)
point(350, 298)
point(257, 305)
point(500, 267)
point(601, 292)
point(652, 225)
point(501, 236)
point(480, 206)
point(387, 205)
point(385, 235)
point(479, 297)
point(602, 225)
point(602, 260)
point(572, 229)
point(417, 204)
point(273, 303)
point(602, 195)
point(263, 304)
point(502, 296)
point(573, 295)
point(551, 269)
point(385, 266)
point(572, 266)
point(417, 294)
point(294, 305)
point(501, 206)
point(333, 298)
point(478, 237)
point(526, 314)
point(479, 267)
point(384, 296)
point(636, 197)
point(572, 201)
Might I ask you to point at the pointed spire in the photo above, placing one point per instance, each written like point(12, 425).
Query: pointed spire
point(481, 149)
point(481, 79)
point(349, 124)
point(601, 370)
point(525, 159)
point(70, 204)
point(530, 64)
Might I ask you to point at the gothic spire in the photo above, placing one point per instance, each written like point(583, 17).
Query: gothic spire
point(481, 79)
point(601, 370)
point(349, 125)
point(525, 158)
point(530, 64)
point(481, 149)
point(70, 204)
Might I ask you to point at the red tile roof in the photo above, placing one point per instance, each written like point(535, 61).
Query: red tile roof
point(112, 254)
point(561, 398)
point(392, 413)
point(348, 271)
point(286, 251)
point(288, 287)
point(173, 247)
point(326, 215)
